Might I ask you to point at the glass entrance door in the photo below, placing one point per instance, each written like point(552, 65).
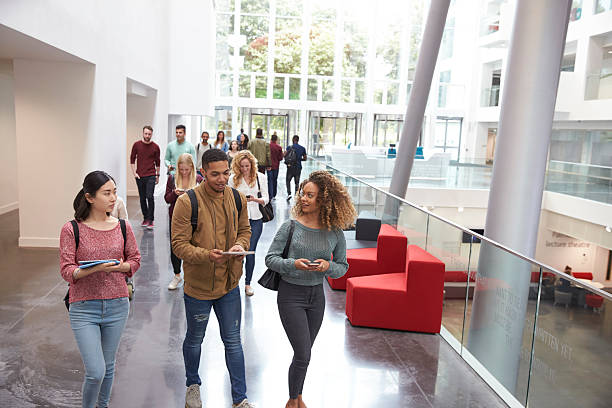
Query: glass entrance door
point(448, 135)
point(270, 124)
point(329, 129)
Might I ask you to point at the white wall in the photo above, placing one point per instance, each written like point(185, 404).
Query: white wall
point(8, 153)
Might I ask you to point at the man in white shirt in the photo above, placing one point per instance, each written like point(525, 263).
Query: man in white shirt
point(200, 149)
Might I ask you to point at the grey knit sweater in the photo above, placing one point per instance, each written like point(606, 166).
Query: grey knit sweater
point(311, 244)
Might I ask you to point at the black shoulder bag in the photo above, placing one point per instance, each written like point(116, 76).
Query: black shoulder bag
point(267, 211)
point(270, 279)
point(75, 229)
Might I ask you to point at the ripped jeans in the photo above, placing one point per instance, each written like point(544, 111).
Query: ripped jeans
point(228, 311)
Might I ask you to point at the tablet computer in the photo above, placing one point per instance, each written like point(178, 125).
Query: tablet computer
point(238, 253)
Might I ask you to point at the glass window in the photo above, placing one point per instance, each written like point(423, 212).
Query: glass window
point(313, 86)
point(388, 41)
point(225, 84)
point(359, 91)
point(225, 27)
point(446, 48)
point(254, 6)
point(346, 91)
point(255, 51)
point(355, 49)
point(328, 90)
point(244, 86)
point(294, 88)
point(289, 8)
point(378, 92)
point(224, 5)
point(261, 86)
point(321, 51)
point(288, 42)
point(576, 12)
point(603, 5)
point(279, 88)
point(392, 93)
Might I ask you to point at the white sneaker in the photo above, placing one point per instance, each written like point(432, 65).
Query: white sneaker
point(174, 282)
point(192, 397)
point(244, 404)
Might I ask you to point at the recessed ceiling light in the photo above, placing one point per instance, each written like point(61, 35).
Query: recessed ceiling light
point(610, 52)
point(460, 209)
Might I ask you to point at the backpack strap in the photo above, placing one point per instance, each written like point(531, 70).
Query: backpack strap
point(123, 232)
point(194, 210)
point(75, 228)
point(194, 206)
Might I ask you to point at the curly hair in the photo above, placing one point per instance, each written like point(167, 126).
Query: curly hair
point(336, 207)
point(244, 154)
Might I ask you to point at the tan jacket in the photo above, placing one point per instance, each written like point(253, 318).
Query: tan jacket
point(261, 150)
point(204, 279)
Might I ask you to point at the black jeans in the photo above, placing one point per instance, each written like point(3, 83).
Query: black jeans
point(272, 182)
point(301, 310)
point(293, 172)
point(146, 187)
point(176, 261)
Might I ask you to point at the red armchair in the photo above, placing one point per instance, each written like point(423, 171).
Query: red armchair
point(410, 300)
point(594, 301)
point(389, 256)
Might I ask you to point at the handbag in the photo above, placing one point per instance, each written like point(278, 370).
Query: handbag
point(271, 279)
point(267, 211)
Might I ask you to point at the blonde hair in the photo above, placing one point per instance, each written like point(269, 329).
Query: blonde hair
point(336, 210)
point(187, 160)
point(244, 154)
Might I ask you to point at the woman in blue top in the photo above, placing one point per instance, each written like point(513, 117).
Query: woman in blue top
point(322, 209)
point(220, 143)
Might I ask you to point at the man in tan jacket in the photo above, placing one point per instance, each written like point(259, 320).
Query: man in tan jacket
point(261, 150)
point(211, 277)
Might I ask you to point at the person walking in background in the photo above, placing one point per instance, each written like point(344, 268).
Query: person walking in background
point(185, 179)
point(294, 156)
point(276, 155)
point(233, 151)
point(212, 277)
point(199, 151)
point(145, 163)
point(317, 250)
point(220, 143)
point(98, 295)
point(261, 150)
point(246, 179)
point(245, 142)
point(177, 147)
point(119, 210)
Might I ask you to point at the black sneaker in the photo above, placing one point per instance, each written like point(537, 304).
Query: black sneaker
point(289, 198)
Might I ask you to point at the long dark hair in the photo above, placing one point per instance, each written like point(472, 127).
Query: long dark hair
point(91, 184)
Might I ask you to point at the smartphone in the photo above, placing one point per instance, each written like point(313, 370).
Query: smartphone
point(238, 253)
point(314, 263)
point(249, 196)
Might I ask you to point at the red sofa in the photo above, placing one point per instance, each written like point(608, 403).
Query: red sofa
point(583, 275)
point(389, 256)
point(410, 300)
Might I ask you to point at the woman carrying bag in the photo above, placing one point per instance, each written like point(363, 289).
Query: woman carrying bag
point(322, 210)
point(254, 186)
point(98, 294)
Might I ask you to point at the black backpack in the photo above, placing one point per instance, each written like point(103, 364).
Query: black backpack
point(291, 157)
point(194, 206)
point(75, 228)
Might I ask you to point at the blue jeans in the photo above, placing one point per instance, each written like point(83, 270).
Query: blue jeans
point(97, 326)
point(256, 228)
point(272, 182)
point(229, 312)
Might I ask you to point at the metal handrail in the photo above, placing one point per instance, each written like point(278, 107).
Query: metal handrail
point(563, 275)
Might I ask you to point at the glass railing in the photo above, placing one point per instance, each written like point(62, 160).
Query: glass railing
point(580, 180)
point(538, 337)
point(490, 96)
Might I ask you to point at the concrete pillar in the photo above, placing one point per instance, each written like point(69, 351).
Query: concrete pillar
point(527, 107)
point(428, 55)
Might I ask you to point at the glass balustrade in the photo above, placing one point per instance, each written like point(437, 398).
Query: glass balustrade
point(539, 337)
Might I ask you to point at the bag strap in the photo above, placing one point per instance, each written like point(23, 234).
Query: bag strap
point(258, 187)
point(194, 206)
point(75, 228)
point(123, 232)
point(289, 238)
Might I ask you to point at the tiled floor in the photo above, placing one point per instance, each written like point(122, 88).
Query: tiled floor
point(351, 367)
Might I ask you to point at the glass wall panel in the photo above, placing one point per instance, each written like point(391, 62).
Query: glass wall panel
point(255, 6)
point(359, 91)
point(279, 88)
point(294, 88)
point(346, 91)
point(388, 43)
point(289, 8)
point(602, 5)
point(255, 52)
point(378, 93)
point(244, 86)
point(392, 93)
point(321, 51)
point(355, 49)
point(288, 46)
point(225, 84)
point(261, 86)
point(225, 27)
point(328, 90)
point(313, 87)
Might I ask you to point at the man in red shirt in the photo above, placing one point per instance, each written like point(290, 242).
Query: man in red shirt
point(276, 155)
point(145, 160)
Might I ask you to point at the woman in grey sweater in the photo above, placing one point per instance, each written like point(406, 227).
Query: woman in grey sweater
point(322, 209)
